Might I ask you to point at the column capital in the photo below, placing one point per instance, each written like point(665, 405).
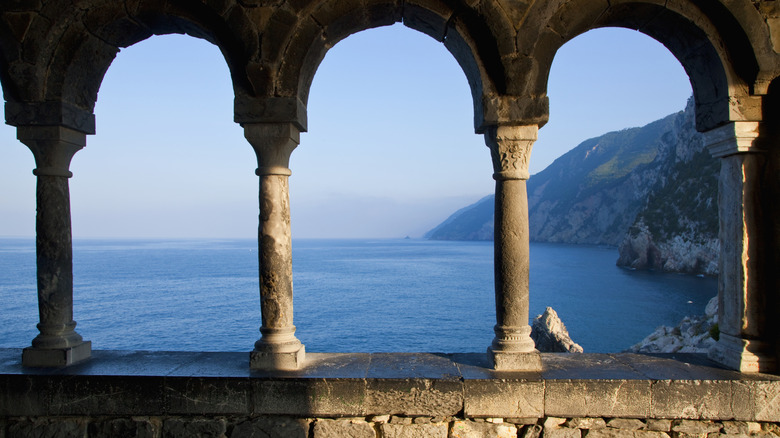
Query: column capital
point(510, 147)
point(733, 138)
point(273, 144)
point(53, 147)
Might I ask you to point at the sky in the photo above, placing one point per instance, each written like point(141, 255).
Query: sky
point(390, 149)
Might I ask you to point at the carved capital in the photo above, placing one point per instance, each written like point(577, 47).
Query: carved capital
point(53, 147)
point(733, 138)
point(273, 144)
point(510, 148)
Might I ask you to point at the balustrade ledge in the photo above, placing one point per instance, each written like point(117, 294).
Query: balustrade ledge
point(137, 383)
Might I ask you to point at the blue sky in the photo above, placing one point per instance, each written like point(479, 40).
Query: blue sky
point(390, 151)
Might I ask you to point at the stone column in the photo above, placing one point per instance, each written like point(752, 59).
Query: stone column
point(512, 348)
point(58, 344)
point(277, 348)
point(745, 342)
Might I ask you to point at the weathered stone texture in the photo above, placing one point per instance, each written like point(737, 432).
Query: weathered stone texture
point(126, 428)
point(659, 425)
point(343, 429)
point(689, 426)
point(194, 428)
point(272, 427)
point(626, 424)
point(532, 431)
point(504, 398)
point(586, 423)
point(582, 398)
point(49, 428)
point(414, 397)
point(433, 430)
point(470, 429)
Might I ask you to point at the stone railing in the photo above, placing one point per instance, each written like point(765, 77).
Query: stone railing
point(183, 394)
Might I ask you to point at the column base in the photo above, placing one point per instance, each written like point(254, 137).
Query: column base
point(515, 361)
point(56, 357)
point(744, 355)
point(276, 361)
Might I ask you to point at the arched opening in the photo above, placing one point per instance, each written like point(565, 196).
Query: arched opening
point(597, 193)
point(164, 206)
point(17, 241)
point(390, 153)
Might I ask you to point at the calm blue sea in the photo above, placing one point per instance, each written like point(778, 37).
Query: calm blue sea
point(350, 295)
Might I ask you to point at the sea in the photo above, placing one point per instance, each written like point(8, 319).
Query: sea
point(350, 295)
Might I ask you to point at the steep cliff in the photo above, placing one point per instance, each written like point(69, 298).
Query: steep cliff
point(677, 229)
point(652, 191)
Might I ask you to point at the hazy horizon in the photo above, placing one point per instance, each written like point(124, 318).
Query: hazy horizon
point(390, 150)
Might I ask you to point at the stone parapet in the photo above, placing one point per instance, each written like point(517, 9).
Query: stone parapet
point(585, 391)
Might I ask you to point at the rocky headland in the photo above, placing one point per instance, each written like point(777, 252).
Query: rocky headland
point(650, 191)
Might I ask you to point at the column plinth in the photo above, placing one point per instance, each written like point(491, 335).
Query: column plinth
point(58, 343)
point(512, 348)
point(277, 348)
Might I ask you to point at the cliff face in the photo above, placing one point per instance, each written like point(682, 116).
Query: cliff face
point(652, 191)
point(677, 229)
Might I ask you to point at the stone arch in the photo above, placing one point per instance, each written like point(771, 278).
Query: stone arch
point(88, 39)
point(480, 41)
point(722, 67)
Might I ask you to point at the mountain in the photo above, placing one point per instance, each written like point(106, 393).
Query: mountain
point(652, 191)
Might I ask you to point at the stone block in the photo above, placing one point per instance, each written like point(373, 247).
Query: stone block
point(56, 357)
point(597, 398)
point(515, 361)
point(586, 423)
point(98, 395)
point(414, 397)
point(690, 426)
point(659, 425)
point(740, 427)
point(692, 399)
point(200, 396)
point(563, 432)
point(626, 424)
point(23, 395)
point(309, 397)
point(471, 429)
point(194, 427)
point(272, 427)
point(504, 398)
point(433, 430)
point(125, 428)
point(49, 428)
point(763, 399)
point(343, 429)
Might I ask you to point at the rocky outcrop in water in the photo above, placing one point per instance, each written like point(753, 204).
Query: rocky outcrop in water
point(694, 334)
point(550, 334)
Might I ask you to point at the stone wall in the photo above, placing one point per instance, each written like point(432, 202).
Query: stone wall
point(380, 426)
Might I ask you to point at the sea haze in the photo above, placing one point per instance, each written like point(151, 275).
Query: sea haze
point(350, 295)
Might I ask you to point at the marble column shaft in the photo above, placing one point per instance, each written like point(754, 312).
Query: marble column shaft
point(745, 342)
point(58, 344)
point(277, 348)
point(512, 348)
